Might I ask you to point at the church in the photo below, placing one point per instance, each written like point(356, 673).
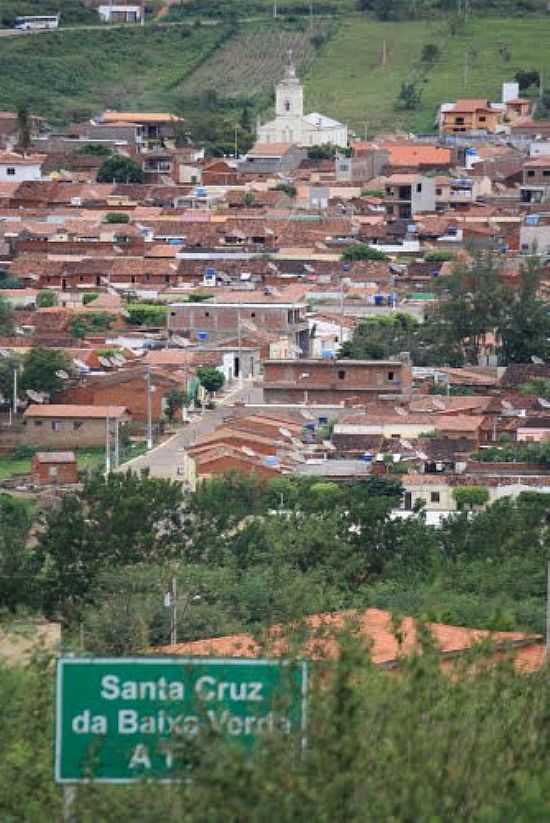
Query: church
point(291, 125)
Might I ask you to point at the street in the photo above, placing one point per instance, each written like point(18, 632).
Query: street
point(164, 460)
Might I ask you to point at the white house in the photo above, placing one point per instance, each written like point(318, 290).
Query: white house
point(292, 126)
point(15, 168)
point(120, 14)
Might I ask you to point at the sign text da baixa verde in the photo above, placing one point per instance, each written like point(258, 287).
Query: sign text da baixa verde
point(118, 719)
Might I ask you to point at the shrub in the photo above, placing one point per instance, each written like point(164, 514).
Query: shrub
point(144, 314)
point(470, 496)
point(362, 251)
point(89, 297)
point(439, 256)
point(46, 298)
point(117, 217)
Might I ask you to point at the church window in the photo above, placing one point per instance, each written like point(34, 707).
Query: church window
point(287, 105)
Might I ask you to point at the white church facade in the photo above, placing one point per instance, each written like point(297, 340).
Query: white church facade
point(291, 125)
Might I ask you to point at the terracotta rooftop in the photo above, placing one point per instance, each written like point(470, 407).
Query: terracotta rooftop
point(55, 410)
point(55, 457)
point(139, 117)
point(373, 625)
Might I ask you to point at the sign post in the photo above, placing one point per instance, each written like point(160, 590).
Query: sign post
point(121, 719)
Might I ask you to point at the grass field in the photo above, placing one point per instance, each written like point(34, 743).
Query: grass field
point(349, 73)
point(348, 79)
point(62, 75)
point(248, 64)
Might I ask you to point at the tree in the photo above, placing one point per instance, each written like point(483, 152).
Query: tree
point(470, 496)
point(119, 520)
point(117, 217)
point(8, 365)
point(119, 169)
point(210, 378)
point(527, 78)
point(362, 251)
point(6, 318)
point(430, 53)
point(40, 370)
point(524, 326)
point(175, 400)
point(24, 129)
point(46, 298)
point(410, 96)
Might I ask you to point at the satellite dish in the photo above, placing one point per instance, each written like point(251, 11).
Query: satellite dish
point(506, 404)
point(537, 360)
point(248, 451)
point(306, 414)
point(544, 403)
point(35, 396)
point(407, 444)
point(62, 374)
point(439, 404)
point(80, 364)
point(285, 432)
point(105, 362)
point(4, 353)
point(401, 412)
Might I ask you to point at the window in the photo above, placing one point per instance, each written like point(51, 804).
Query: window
point(207, 314)
point(390, 375)
point(546, 173)
point(56, 425)
point(287, 105)
point(77, 425)
point(459, 121)
point(434, 497)
point(253, 314)
point(10, 172)
point(482, 118)
point(530, 173)
point(418, 188)
point(38, 422)
point(341, 374)
point(439, 192)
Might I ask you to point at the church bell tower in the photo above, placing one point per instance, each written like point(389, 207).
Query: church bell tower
point(289, 93)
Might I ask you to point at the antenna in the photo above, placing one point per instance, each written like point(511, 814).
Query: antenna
point(62, 374)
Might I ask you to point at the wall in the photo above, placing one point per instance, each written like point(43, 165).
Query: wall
point(65, 435)
point(22, 172)
point(62, 472)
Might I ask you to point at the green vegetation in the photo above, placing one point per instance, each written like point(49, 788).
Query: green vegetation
point(89, 297)
point(146, 314)
point(6, 317)
point(387, 53)
point(117, 217)
point(46, 299)
point(536, 453)
point(73, 12)
point(90, 323)
point(210, 378)
point(20, 463)
point(41, 370)
point(50, 73)
point(362, 251)
point(118, 169)
point(474, 303)
point(180, 66)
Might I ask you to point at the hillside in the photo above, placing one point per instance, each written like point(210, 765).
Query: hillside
point(353, 67)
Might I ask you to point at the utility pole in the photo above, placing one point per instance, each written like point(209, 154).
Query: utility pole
point(466, 69)
point(274, 8)
point(547, 644)
point(236, 146)
point(117, 444)
point(107, 445)
point(14, 395)
point(171, 601)
point(239, 345)
point(149, 411)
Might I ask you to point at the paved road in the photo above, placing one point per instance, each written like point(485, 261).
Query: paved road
point(164, 460)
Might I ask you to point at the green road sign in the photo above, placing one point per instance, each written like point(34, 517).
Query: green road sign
point(121, 719)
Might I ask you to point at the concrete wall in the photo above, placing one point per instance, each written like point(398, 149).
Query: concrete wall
point(65, 433)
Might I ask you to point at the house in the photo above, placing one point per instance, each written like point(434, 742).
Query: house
point(127, 388)
point(470, 115)
point(152, 129)
point(536, 181)
point(70, 426)
point(388, 643)
point(54, 467)
point(272, 159)
point(534, 430)
point(223, 458)
point(215, 322)
point(534, 234)
point(16, 168)
point(334, 381)
point(407, 194)
point(120, 14)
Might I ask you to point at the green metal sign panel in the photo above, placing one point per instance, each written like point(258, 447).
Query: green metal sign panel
point(121, 719)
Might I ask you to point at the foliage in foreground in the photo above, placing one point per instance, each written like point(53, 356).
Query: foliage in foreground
point(416, 746)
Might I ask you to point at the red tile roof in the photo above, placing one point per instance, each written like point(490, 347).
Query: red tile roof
point(55, 410)
point(374, 625)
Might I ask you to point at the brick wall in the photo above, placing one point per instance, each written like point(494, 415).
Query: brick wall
point(62, 472)
point(132, 395)
point(64, 433)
